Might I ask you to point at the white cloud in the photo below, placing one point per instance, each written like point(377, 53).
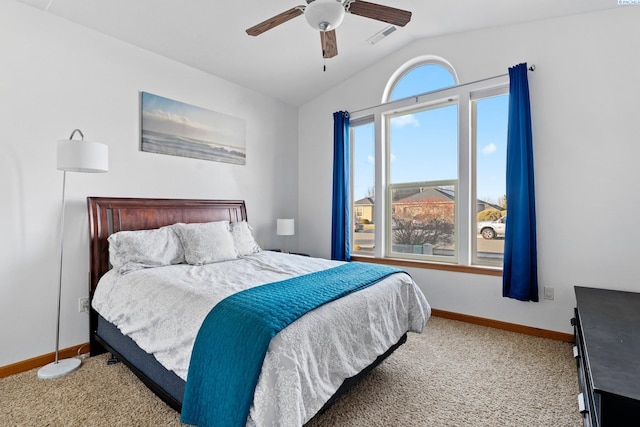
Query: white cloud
point(406, 120)
point(488, 149)
point(175, 119)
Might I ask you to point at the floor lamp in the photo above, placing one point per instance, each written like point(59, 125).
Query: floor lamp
point(73, 156)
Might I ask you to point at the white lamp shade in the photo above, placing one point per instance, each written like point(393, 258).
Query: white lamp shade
point(324, 15)
point(82, 156)
point(285, 227)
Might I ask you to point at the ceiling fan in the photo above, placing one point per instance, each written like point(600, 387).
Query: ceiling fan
point(327, 15)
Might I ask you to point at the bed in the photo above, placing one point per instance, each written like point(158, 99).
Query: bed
point(303, 371)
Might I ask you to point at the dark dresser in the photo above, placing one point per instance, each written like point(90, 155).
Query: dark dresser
point(607, 351)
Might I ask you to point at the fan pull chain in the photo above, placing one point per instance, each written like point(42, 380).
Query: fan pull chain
point(324, 50)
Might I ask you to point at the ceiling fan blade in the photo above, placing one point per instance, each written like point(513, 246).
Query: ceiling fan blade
point(274, 21)
point(329, 43)
point(379, 12)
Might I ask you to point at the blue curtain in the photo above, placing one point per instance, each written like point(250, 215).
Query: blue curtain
point(341, 219)
point(520, 270)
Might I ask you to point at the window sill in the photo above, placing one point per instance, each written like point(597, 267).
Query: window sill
point(472, 269)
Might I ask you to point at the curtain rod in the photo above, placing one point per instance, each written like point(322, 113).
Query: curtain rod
point(531, 68)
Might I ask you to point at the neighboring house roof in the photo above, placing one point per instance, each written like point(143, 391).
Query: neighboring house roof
point(429, 193)
point(488, 205)
point(444, 194)
point(366, 201)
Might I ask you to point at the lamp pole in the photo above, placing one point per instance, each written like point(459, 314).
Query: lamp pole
point(74, 156)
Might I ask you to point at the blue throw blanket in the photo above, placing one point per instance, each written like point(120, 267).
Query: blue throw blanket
point(233, 340)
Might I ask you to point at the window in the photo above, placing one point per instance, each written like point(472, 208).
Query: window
point(422, 79)
point(421, 158)
point(363, 191)
point(422, 147)
point(489, 125)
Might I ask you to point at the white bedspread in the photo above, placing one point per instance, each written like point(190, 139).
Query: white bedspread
point(162, 308)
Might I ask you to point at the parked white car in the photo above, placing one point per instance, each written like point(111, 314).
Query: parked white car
point(492, 229)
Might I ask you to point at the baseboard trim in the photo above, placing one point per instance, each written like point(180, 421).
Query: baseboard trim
point(497, 324)
point(39, 361)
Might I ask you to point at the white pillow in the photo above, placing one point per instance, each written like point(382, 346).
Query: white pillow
point(134, 250)
point(243, 238)
point(207, 242)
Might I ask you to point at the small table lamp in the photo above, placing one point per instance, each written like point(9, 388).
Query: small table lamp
point(73, 156)
point(285, 227)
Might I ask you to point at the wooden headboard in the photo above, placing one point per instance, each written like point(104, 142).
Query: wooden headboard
point(108, 215)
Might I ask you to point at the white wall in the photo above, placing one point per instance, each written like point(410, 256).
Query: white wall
point(56, 76)
point(586, 127)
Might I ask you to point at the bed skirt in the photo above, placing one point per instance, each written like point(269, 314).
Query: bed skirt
point(166, 384)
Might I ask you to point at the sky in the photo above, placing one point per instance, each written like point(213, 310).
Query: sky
point(424, 145)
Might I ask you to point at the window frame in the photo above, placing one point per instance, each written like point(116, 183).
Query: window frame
point(388, 250)
point(353, 123)
point(411, 65)
point(462, 94)
point(476, 96)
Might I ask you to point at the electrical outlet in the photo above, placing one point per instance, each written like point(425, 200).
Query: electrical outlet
point(83, 305)
point(548, 292)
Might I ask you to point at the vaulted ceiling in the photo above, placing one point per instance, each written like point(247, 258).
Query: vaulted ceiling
point(286, 62)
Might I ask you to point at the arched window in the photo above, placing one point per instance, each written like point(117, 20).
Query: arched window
point(427, 75)
point(421, 158)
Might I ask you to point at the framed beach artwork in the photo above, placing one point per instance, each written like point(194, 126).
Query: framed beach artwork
point(179, 129)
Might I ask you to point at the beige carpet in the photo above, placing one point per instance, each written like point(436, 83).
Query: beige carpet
point(454, 374)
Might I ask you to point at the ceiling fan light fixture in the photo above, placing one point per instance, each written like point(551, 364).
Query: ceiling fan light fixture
point(324, 15)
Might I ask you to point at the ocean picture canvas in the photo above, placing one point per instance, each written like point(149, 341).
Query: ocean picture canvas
point(179, 129)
